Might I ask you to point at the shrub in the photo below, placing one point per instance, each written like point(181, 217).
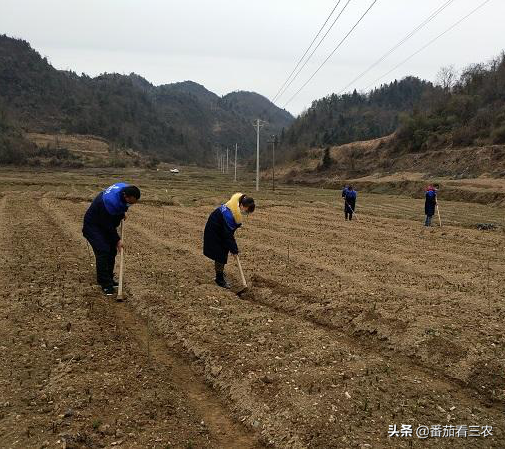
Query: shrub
point(498, 134)
point(327, 161)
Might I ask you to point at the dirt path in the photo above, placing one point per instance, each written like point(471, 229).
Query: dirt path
point(224, 431)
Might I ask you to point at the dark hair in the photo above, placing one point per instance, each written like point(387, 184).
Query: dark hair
point(247, 202)
point(132, 191)
point(349, 187)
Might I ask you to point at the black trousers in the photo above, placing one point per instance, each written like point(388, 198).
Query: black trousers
point(219, 267)
point(349, 209)
point(105, 261)
point(219, 270)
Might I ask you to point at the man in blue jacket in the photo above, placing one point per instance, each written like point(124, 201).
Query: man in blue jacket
point(349, 196)
point(99, 228)
point(430, 204)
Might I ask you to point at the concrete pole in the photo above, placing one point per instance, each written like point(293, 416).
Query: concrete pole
point(235, 162)
point(273, 162)
point(257, 155)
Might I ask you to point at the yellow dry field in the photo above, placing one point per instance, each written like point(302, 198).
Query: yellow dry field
point(84, 145)
point(347, 328)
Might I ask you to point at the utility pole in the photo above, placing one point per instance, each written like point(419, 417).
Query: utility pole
point(258, 124)
point(257, 155)
point(235, 162)
point(273, 142)
point(226, 159)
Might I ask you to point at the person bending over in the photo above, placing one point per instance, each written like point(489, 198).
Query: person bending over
point(100, 222)
point(218, 236)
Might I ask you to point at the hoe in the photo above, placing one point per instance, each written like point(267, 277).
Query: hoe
point(120, 295)
point(349, 206)
point(244, 287)
point(438, 213)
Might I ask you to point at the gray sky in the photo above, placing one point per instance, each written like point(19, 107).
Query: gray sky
point(229, 45)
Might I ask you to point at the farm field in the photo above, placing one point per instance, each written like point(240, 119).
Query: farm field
point(347, 328)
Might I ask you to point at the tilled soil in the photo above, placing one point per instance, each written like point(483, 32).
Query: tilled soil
point(347, 328)
point(79, 371)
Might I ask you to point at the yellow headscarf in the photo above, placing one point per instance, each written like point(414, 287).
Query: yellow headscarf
point(232, 204)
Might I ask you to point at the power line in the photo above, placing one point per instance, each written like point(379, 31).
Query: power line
point(313, 51)
point(332, 53)
point(306, 51)
point(400, 43)
point(429, 43)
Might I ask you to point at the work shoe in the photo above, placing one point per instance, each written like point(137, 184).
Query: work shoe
point(221, 280)
point(223, 283)
point(109, 291)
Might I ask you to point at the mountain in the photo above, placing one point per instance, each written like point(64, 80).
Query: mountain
point(180, 121)
point(252, 106)
point(340, 119)
point(454, 128)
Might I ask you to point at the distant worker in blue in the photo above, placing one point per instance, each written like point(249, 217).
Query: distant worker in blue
point(218, 236)
point(99, 228)
point(430, 203)
point(349, 195)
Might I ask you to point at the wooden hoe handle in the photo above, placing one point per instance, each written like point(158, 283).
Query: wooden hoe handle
point(121, 264)
point(242, 277)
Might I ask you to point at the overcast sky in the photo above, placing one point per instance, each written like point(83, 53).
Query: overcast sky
point(229, 45)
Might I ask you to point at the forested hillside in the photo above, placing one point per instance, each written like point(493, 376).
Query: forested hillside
point(180, 121)
point(454, 127)
point(469, 110)
point(338, 119)
point(13, 146)
point(252, 106)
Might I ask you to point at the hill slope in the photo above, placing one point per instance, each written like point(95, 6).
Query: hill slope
point(470, 112)
point(339, 119)
point(182, 121)
point(452, 129)
point(252, 106)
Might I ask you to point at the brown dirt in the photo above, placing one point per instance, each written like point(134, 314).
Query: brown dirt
point(476, 190)
point(363, 325)
point(89, 150)
point(91, 145)
point(79, 371)
point(474, 174)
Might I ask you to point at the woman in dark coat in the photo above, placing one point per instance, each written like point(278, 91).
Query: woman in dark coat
point(218, 237)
